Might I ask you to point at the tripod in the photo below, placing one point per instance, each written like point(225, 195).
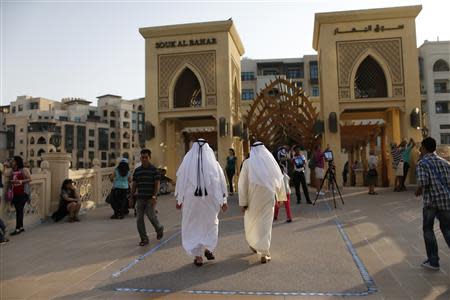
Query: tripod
point(331, 176)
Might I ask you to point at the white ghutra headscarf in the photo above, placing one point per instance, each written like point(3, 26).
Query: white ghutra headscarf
point(201, 170)
point(263, 168)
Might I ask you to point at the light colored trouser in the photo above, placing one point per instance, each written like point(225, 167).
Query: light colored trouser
point(145, 207)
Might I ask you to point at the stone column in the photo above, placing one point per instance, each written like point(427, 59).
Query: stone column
point(58, 165)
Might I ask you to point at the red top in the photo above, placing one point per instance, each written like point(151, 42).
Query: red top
point(18, 189)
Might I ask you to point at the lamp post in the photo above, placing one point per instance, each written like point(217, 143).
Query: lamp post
point(55, 140)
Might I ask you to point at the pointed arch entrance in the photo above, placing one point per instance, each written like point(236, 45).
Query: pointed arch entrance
point(370, 80)
point(187, 91)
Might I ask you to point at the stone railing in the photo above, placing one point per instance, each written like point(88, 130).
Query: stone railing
point(93, 185)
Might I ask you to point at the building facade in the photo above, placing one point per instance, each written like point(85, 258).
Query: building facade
point(35, 125)
point(434, 60)
point(257, 73)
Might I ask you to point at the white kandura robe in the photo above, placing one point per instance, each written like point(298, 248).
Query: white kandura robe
point(200, 222)
point(258, 217)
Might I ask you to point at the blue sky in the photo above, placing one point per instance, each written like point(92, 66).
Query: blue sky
point(57, 49)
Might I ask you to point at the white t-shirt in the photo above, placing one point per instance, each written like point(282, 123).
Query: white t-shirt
point(372, 162)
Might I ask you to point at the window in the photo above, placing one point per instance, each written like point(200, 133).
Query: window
point(126, 114)
point(31, 152)
point(112, 124)
point(32, 140)
point(105, 113)
point(313, 70)
point(112, 114)
point(140, 108)
point(126, 145)
point(247, 94)
point(103, 140)
point(103, 154)
point(126, 124)
point(442, 107)
point(294, 73)
point(187, 92)
point(370, 81)
point(14, 109)
point(91, 144)
point(91, 132)
point(125, 155)
point(91, 155)
point(299, 84)
point(445, 138)
point(42, 140)
point(440, 87)
point(245, 76)
point(20, 107)
point(270, 72)
point(444, 126)
point(315, 91)
point(440, 66)
point(76, 119)
point(34, 105)
point(21, 153)
point(21, 129)
point(112, 146)
point(113, 135)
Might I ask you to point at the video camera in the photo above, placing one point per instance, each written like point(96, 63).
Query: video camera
point(328, 155)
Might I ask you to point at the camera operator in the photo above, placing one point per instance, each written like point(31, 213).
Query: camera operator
point(283, 156)
point(299, 162)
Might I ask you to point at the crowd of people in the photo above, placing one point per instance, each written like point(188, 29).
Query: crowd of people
point(263, 187)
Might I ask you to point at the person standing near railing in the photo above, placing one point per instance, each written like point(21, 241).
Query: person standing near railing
point(20, 185)
point(121, 179)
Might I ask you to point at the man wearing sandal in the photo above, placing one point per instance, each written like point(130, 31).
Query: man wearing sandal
point(201, 192)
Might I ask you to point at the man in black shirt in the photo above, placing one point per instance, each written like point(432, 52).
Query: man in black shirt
point(145, 187)
point(299, 161)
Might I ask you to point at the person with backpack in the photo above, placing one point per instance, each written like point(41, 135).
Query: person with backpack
point(20, 185)
point(121, 179)
point(433, 184)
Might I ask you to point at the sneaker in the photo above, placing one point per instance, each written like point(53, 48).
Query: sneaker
point(160, 233)
point(288, 220)
point(114, 217)
point(143, 243)
point(17, 231)
point(265, 259)
point(5, 240)
point(427, 264)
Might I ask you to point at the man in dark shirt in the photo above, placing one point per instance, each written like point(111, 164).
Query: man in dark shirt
point(145, 188)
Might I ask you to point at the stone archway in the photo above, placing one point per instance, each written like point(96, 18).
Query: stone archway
point(282, 114)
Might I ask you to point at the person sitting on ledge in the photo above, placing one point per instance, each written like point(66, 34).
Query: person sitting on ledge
point(69, 204)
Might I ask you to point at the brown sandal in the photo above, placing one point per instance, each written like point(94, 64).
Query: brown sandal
point(198, 261)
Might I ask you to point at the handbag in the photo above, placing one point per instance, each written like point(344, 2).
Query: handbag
point(372, 173)
point(9, 194)
point(108, 198)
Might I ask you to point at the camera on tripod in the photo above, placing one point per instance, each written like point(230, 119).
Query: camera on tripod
point(328, 156)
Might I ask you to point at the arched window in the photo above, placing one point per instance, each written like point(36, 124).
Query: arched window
point(440, 66)
point(126, 114)
point(32, 140)
point(370, 81)
point(112, 114)
point(42, 140)
point(126, 135)
point(187, 90)
point(125, 155)
point(113, 135)
point(140, 108)
point(31, 152)
point(40, 152)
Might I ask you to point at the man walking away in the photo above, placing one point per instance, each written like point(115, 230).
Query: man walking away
point(433, 180)
point(146, 186)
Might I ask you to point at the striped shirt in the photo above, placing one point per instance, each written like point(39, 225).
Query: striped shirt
point(396, 156)
point(145, 180)
point(433, 176)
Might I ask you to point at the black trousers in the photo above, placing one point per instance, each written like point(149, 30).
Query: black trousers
point(299, 178)
point(405, 173)
point(119, 202)
point(230, 174)
point(19, 202)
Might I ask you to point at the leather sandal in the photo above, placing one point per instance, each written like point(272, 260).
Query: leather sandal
point(198, 261)
point(209, 255)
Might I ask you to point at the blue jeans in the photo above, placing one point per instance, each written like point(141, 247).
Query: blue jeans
point(429, 214)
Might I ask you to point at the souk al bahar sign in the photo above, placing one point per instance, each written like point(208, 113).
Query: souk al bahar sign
point(186, 43)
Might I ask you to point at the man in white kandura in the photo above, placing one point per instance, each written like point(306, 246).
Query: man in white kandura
point(201, 192)
point(260, 185)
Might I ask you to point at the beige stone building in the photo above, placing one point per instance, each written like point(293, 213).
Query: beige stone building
point(368, 64)
point(256, 73)
point(84, 130)
point(434, 63)
point(193, 88)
